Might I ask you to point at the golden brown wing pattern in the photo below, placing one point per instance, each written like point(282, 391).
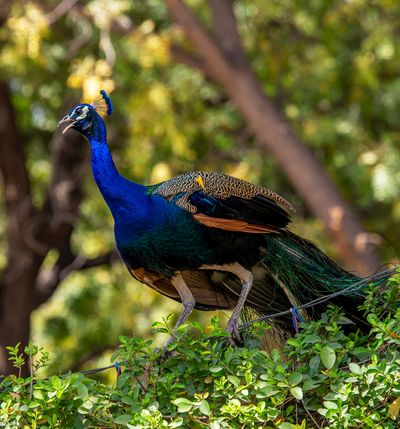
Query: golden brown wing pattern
point(225, 202)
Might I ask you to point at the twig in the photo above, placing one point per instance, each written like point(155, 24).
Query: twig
point(61, 9)
point(311, 417)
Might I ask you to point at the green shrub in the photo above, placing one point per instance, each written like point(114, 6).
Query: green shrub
point(328, 375)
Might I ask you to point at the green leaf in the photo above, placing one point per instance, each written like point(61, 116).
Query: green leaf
point(77, 422)
point(310, 384)
point(343, 320)
point(295, 378)
point(56, 382)
point(234, 380)
point(314, 363)
point(312, 338)
point(38, 394)
point(183, 404)
point(129, 400)
point(204, 407)
point(228, 355)
point(286, 425)
point(82, 391)
point(295, 342)
point(328, 357)
point(297, 392)
point(123, 419)
point(330, 405)
point(216, 368)
point(267, 391)
point(177, 423)
point(355, 368)
point(248, 377)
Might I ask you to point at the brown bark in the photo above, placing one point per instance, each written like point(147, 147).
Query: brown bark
point(5, 6)
point(15, 297)
point(222, 58)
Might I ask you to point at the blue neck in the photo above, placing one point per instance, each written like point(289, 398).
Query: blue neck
point(120, 194)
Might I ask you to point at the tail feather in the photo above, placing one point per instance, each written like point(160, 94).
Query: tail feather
point(304, 273)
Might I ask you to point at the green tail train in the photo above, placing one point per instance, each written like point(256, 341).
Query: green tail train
point(294, 272)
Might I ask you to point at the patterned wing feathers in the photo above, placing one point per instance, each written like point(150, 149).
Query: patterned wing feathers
point(217, 185)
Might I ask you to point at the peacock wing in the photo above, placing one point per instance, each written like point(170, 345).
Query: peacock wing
point(225, 202)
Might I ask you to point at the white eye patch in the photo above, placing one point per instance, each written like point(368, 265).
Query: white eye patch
point(85, 110)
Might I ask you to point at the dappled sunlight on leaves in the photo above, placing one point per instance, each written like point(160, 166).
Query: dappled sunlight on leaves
point(91, 76)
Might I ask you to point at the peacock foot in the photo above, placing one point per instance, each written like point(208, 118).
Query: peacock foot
point(232, 328)
point(165, 352)
point(170, 340)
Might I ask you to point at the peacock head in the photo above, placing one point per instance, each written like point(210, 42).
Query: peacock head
point(85, 118)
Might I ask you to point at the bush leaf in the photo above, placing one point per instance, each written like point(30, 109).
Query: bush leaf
point(328, 357)
point(297, 392)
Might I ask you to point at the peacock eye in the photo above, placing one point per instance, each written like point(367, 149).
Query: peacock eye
point(78, 111)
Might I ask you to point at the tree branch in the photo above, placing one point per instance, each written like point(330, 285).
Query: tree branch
point(49, 279)
point(197, 34)
point(305, 172)
point(61, 9)
point(92, 355)
point(67, 263)
point(225, 31)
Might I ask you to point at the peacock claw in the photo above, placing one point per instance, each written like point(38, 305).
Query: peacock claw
point(170, 339)
point(232, 329)
point(168, 353)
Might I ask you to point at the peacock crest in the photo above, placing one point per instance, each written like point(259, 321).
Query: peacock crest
point(103, 104)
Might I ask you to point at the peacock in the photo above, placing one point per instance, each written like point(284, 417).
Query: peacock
point(211, 241)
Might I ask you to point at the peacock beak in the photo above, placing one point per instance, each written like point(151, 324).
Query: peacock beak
point(64, 120)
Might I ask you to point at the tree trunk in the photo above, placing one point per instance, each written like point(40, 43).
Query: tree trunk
point(16, 294)
point(222, 58)
point(31, 232)
point(15, 312)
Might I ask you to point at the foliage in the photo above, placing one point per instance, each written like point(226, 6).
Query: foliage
point(328, 375)
point(331, 67)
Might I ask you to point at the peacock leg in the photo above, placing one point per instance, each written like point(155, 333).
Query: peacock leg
point(246, 278)
point(188, 303)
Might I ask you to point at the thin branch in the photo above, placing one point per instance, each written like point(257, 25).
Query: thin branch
point(85, 35)
point(61, 9)
point(92, 355)
point(108, 258)
point(49, 279)
point(107, 47)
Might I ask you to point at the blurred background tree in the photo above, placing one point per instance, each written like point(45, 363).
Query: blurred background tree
point(300, 96)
